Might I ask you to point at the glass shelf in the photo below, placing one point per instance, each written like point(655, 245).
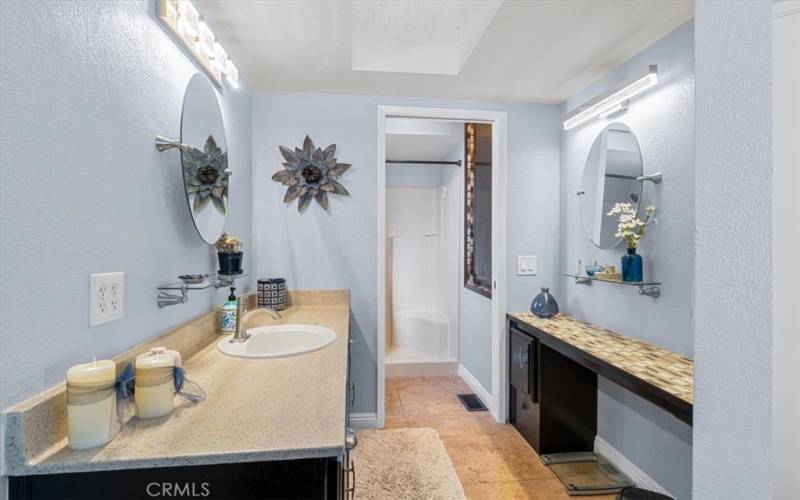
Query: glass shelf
point(648, 288)
point(615, 282)
point(189, 286)
point(215, 280)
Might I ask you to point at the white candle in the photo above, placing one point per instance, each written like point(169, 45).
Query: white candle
point(91, 404)
point(155, 386)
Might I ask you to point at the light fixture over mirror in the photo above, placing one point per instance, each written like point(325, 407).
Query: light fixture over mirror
point(612, 174)
point(612, 101)
point(184, 23)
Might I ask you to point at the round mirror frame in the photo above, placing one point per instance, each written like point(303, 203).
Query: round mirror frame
point(636, 197)
point(204, 162)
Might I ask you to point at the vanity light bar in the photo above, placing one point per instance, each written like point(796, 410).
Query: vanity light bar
point(186, 26)
point(613, 100)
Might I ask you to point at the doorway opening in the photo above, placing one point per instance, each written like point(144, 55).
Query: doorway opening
point(441, 249)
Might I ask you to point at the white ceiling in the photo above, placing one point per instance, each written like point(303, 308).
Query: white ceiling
point(523, 50)
point(417, 36)
point(416, 139)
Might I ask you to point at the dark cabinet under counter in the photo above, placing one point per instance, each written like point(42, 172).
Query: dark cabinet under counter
point(288, 479)
point(552, 399)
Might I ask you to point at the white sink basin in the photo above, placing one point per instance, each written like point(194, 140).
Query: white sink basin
point(279, 341)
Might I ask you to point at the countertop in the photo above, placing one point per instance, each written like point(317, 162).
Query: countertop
point(668, 371)
point(255, 410)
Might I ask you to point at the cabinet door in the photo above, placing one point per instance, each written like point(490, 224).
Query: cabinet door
point(280, 480)
point(521, 348)
point(526, 418)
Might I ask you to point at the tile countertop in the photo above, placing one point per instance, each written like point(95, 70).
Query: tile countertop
point(669, 371)
point(255, 410)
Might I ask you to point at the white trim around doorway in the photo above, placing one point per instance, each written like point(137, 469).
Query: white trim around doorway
point(497, 402)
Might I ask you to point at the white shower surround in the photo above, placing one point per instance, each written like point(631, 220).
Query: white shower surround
point(422, 331)
point(421, 327)
point(425, 227)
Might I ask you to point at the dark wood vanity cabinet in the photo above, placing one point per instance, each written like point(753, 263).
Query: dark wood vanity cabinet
point(552, 399)
point(289, 479)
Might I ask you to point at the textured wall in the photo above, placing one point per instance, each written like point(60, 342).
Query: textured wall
point(786, 241)
point(733, 266)
point(338, 248)
point(663, 120)
point(86, 86)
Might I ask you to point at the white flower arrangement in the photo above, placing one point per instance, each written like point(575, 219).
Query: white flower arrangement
point(630, 227)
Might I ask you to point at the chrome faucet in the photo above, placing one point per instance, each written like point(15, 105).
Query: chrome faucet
point(272, 312)
point(240, 335)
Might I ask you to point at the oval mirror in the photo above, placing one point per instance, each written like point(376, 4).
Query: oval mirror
point(609, 177)
point(204, 158)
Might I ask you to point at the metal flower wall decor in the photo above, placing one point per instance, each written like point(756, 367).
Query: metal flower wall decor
point(206, 175)
point(310, 173)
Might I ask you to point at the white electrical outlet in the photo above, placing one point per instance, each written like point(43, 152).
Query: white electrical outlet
point(526, 265)
point(106, 297)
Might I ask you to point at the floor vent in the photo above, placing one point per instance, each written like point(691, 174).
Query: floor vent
point(471, 402)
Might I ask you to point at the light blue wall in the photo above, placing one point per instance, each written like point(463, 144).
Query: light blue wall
point(86, 87)
point(475, 339)
point(733, 205)
point(663, 120)
point(338, 248)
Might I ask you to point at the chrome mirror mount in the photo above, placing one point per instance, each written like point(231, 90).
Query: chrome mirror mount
point(655, 178)
point(165, 143)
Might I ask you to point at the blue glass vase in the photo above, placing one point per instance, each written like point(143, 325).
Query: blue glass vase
point(632, 266)
point(544, 304)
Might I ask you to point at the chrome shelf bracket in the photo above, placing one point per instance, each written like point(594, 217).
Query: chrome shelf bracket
point(650, 291)
point(171, 299)
point(227, 280)
point(583, 281)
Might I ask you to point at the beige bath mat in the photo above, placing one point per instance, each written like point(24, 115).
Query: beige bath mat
point(399, 464)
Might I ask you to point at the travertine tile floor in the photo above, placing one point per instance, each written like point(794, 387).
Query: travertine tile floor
point(491, 459)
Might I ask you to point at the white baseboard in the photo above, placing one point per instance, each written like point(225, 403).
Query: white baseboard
point(364, 420)
point(480, 391)
point(621, 462)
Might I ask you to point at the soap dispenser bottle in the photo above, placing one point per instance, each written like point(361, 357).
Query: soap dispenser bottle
point(227, 315)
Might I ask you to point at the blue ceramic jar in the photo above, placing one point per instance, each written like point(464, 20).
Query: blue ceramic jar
point(544, 304)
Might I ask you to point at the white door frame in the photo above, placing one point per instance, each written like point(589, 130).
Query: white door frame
point(498, 119)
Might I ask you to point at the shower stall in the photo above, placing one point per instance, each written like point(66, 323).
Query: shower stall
point(423, 221)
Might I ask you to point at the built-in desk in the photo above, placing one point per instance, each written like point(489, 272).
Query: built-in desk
point(662, 377)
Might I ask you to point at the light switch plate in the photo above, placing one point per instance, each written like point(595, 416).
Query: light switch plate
point(526, 265)
point(106, 297)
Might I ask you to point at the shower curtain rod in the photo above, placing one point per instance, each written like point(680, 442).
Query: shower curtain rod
point(427, 162)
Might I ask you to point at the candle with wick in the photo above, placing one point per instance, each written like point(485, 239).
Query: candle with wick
point(91, 404)
point(155, 386)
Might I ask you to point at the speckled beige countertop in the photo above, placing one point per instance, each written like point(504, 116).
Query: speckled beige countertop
point(256, 409)
point(667, 370)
